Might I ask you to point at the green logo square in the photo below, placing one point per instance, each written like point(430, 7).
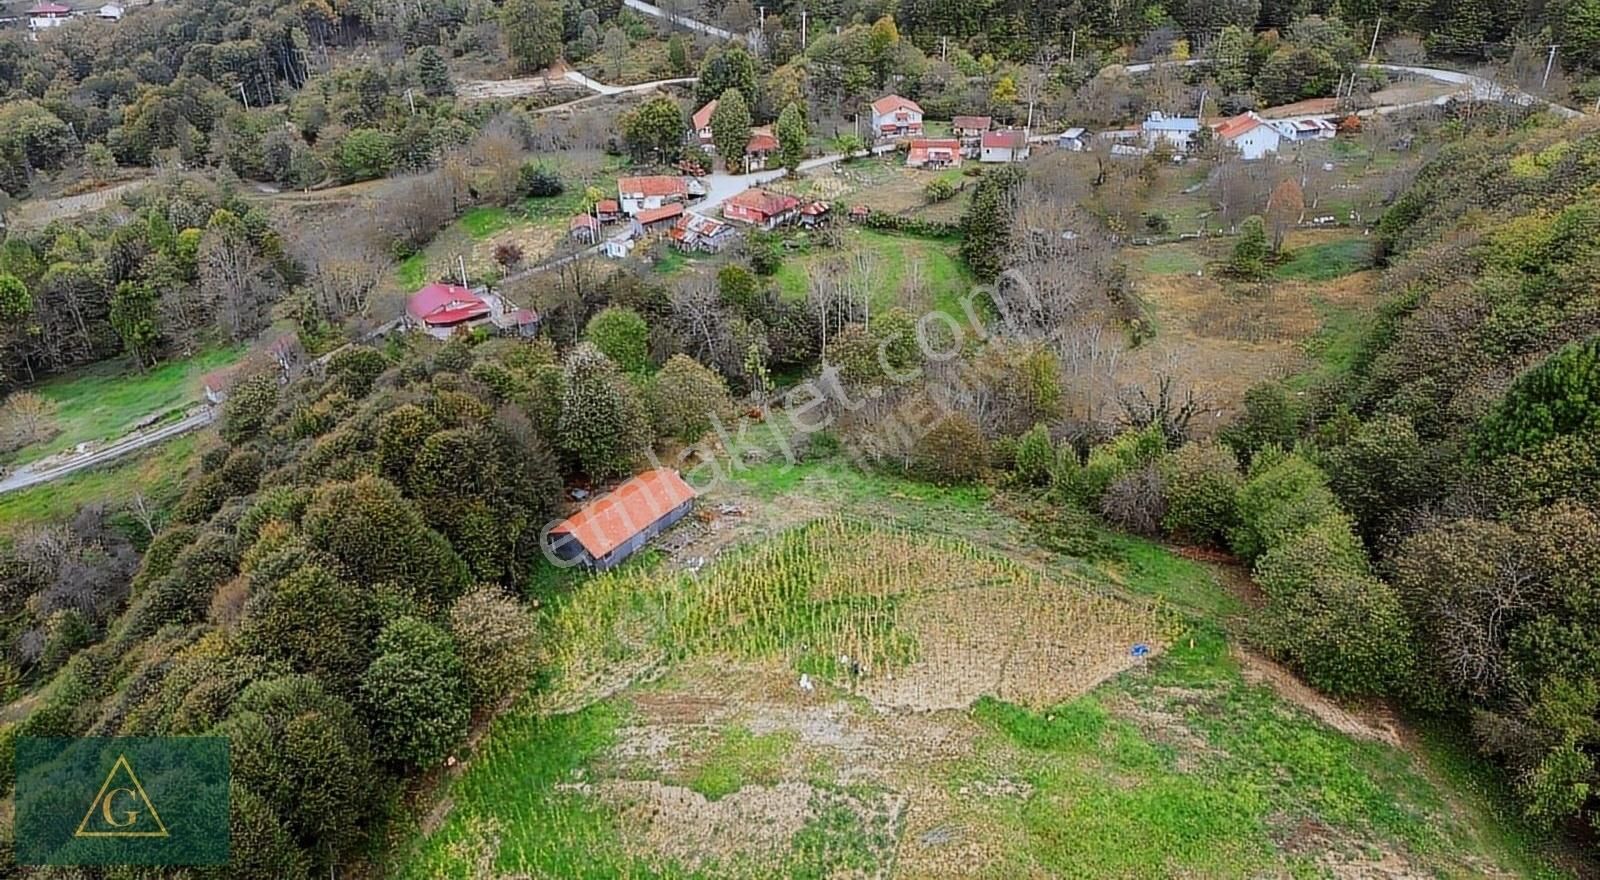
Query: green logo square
point(122, 801)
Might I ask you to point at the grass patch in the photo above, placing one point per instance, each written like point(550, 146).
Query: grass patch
point(739, 758)
point(485, 220)
point(944, 279)
point(1172, 259)
point(104, 401)
point(413, 272)
point(1326, 261)
point(158, 473)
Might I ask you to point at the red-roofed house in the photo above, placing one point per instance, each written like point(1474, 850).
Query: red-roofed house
point(968, 129)
point(607, 211)
point(1010, 145)
point(1249, 134)
point(635, 194)
point(894, 116)
point(761, 207)
point(701, 122)
point(815, 214)
point(440, 308)
point(760, 149)
point(613, 527)
point(933, 153)
point(42, 16)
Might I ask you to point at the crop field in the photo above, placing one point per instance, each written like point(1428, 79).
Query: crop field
point(1230, 334)
point(841, 699)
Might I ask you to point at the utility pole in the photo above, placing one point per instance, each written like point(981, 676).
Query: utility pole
point(1548, 64)
point(944, 48)
point(802, 29)
point(1372, 51)
point(1072, 53)
point(763, 18)
point(244, 97)
point(412, 102)
point(461, 265)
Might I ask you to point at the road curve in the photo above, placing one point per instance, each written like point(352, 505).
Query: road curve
point(27, 475)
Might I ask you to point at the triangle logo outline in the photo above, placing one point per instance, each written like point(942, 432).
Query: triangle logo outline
point(101, 800)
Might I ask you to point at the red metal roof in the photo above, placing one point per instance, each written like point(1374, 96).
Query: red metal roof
point(608, 522)
point(1010, 139)
point(655, 215)
point(441, 303)
point(891, 103)
point(653, 185)
point(608, 206)
point(42, 9)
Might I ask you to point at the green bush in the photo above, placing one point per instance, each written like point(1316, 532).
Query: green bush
point(621, 335)
point(952, 452)
point(249, 404)
point(497, 640)
point(1035, 457)
point(1126, 453)
point(1203, 483)
point(1345, 631)
point(1283, 494)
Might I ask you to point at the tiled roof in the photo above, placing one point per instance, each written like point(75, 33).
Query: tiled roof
point(656, 215)
point(653, 185)
point(609, 521)
point(702, 117)
point(980, 123)
point(891, 103)
point(1011, 139)
point(765, 201)
point(1238, 126)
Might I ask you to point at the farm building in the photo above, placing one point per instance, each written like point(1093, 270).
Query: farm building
point(607, 211)
point(584, 228)
point(894, 116)
point(614, 526)
point(761, 207)
point(657, 219)
point(1305, 128)
point(707, 235)
point(1075, 139)
point(1175, 131)
point(635, 194)
point(1248, 133)
point(968, 130)
point(1010, 145)
point(43, 16)
point(933, 153)
point(814, 214)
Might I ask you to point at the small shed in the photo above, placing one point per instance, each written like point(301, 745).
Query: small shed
point(615, 526)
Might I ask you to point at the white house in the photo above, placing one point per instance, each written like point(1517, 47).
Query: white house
point(1010, 145)
point(46, 15)
point(1305, 128)
point(894, 116)
point(1176, 131)
point(1251, 135)
point(637, 194)
point(111, 12)
point(700, 123)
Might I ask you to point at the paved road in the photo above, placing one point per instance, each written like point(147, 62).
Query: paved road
point(684, 20)
point(29, 475)
point(1478, 86)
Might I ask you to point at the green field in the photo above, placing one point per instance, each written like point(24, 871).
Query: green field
point(104, 401)
point(709, 761)
point(945, 279)
point(1326, 261)
point(156, 473)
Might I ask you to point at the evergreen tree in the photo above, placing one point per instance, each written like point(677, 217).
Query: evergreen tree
point(792, 136)
point(622, 335)
point(533, 32)
point(602, 424)
point(730, 129)
point(655, 130)
point(415, 694)
point(986, 227)
point(1249, 258)
point(678, 55)
point(133, 316)
point(432, 73)
point(732, 68)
